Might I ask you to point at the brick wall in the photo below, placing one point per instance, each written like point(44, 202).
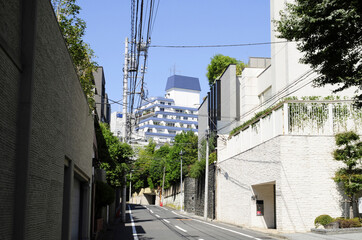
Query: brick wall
point(61, 124)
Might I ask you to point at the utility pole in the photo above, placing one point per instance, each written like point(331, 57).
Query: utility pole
point(163, 185)
point(130, 186)
point(206, 175)
point(124, 118)
point(181, 183)
point(125, 90)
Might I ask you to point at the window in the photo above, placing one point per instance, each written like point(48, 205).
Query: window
point(149, 130)
point(179, 111)
point(156, 123)
point(170, 124)
point(169, 103)
point(189, 126)
point(162, 109)
point(171, 132)
point(191, 112)
point(185, 118)
point(163, 103)
point(178, 117)
point(160, 130)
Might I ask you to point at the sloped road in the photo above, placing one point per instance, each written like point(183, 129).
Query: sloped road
point(154, 222)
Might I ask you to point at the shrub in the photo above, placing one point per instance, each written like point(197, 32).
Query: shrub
point(348, 223)
point(323, 220)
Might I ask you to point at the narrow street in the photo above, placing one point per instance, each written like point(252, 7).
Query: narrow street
point(154, 222)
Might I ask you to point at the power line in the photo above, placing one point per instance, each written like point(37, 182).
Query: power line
point(217, 45)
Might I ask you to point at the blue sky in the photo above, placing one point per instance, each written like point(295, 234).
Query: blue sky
point(178, 22)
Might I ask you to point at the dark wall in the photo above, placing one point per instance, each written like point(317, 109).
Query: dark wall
point(45, 121)
point(195, 194)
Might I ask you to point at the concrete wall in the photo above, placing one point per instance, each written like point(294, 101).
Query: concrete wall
point(301, 167)
point(184, 97)
point(53, 127)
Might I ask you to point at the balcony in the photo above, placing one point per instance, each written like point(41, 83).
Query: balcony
point(294, 117)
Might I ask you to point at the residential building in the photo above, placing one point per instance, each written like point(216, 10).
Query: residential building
point(275, 170)
point(102, 106)
point(161, 118)
point(116, 124)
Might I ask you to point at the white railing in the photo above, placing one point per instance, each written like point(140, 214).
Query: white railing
point(299, 118)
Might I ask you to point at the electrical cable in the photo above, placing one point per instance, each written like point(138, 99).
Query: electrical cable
point(218, 45)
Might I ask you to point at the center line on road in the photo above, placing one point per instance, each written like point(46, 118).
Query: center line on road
point(135, 237)
point(151, 211)
point(166, 220)
point(157, 215)
point(180, 228)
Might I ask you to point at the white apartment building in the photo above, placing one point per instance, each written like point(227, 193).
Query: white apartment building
point(161, 118)
point(276, 170)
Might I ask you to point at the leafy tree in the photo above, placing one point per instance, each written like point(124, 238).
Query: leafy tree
point(218, 65)
point(350, 153)
point(115, 156)
point(148, 168)
point(73, 30)
point(141, 175)
point(329, 33)
point(157, 165)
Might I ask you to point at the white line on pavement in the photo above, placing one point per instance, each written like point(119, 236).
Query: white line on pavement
point(151, 211)
point(135, 237)
point(157, 215)
point(166, 220)
point(180, 228)
point(242, 234)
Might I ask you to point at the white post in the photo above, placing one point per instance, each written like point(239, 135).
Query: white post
point(286, 119)
point(330, 118)
point(163, 185)
point(206, 175)
point(273, 123)
point(125, 89)
point(130, 187)
point(124, 199)
point(181, 183)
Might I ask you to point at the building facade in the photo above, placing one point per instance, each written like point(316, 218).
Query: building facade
point(161, 118)
point(275, 139)
point(102, 106)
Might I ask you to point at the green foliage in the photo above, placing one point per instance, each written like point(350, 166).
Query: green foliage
point(73, 30)
point(104, 194)
point(148, 168)
point(350, 153)
point(218, 65)
point(197, 169)
point(328, 32)
point(115, 156)
point(348, 223)
point(323, 220)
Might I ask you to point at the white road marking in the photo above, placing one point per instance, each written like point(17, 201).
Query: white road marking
point(151, 211)
point(166, 220)
point(242, 234)
point(180, 228)
point(135, 236)
point(157, 215)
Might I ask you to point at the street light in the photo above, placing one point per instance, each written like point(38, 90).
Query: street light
point(181, 182)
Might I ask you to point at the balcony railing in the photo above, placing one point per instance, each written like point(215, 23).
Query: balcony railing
point(300, 118)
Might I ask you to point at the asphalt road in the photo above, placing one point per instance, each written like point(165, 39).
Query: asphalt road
point(154, 222)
